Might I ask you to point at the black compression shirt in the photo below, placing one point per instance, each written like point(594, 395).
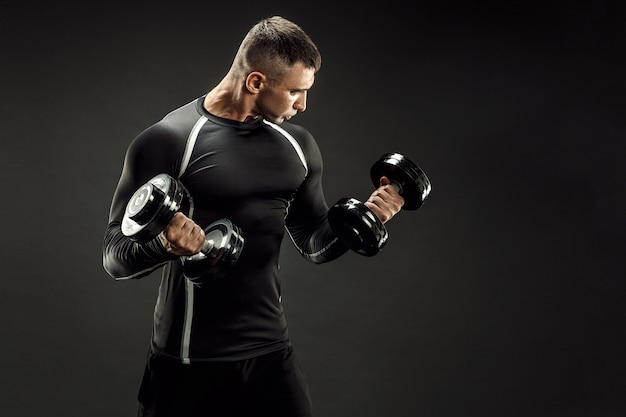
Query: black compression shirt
point(261, 176)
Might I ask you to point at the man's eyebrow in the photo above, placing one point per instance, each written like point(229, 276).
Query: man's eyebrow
point(302, 88)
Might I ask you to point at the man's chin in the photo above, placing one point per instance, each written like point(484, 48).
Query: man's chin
point(279, 120)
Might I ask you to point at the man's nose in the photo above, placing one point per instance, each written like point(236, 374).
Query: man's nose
point(300, 104)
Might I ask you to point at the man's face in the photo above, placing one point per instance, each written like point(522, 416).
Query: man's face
point(282, 101)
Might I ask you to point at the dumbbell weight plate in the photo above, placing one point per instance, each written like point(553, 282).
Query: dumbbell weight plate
point(357, 226)
point(413, 182)
point(221, 250)
point(151, 208)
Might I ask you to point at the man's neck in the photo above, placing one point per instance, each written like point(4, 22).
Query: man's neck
point(228, 100)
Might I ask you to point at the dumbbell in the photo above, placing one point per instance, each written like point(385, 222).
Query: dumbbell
point(357, 226)
point(152, 207)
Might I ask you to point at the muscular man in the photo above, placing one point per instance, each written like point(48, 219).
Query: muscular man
point(222, 348)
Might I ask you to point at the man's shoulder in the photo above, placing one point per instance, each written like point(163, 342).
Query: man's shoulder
point(297, 131)
point(304, 138)
point(181, 117)
point(173, 128)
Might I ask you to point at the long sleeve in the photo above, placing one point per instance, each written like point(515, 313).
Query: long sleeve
point(307, 222)
point(123, 258)
point(317, 242)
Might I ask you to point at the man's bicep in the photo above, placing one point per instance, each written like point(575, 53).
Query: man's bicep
point(152, 152)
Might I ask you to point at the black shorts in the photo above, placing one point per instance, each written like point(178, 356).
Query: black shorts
point(273, 385)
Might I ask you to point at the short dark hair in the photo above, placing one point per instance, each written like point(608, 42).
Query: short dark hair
point(275, 44)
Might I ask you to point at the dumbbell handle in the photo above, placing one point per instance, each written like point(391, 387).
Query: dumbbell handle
point(397, 187)
point(204, 251)
point(207, 246)
point(222, 241)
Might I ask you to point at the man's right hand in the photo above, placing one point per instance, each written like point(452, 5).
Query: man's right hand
point(182, 236)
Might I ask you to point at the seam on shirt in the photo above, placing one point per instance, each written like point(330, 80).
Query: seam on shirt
point(189, 287)
point(293, 142)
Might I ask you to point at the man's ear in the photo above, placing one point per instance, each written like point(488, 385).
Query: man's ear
point(255, 82)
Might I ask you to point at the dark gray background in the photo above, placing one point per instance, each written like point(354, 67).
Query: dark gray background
point(502, 296)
